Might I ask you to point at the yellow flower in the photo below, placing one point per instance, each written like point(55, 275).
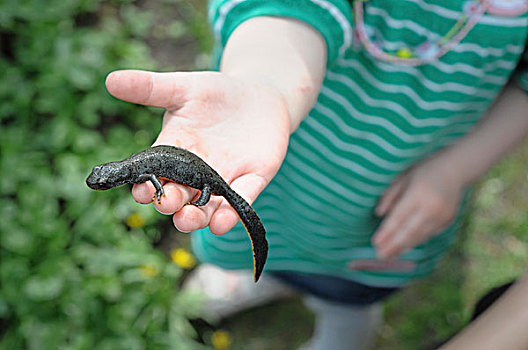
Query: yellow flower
point(135, 220)
point(221, 340)
point(149, 270)
point(182, 258)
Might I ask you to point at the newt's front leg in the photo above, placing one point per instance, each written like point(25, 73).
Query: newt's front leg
point(157, 185)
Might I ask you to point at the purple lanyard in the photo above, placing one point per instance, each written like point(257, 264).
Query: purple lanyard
point(428, 51)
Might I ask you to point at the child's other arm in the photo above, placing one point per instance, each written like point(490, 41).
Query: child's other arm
point(505, 126)
point(425, 199)
point(502, 326)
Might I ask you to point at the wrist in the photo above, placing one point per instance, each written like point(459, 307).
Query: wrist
point(444, 165)
point(463, 164)
point(298, 98)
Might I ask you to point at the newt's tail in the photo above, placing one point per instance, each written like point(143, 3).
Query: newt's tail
point(254, 228)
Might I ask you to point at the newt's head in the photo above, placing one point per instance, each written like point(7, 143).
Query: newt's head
point(106, 176)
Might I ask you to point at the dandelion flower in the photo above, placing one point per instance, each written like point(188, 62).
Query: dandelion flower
point(149, 271)
point(221, 340)
point(182, 258)
point(135, 220)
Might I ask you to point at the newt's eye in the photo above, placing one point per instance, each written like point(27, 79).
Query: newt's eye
point(104, 172)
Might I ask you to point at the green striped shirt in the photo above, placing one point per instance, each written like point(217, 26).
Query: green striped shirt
point(373, 119)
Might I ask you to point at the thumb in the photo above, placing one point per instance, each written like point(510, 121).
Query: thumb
point(166, 90)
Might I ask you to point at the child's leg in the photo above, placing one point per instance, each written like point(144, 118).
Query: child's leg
point(343, 326)
point(347, 313)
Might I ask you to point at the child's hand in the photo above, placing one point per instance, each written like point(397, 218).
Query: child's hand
point(424, 200)
point(240, 129)
point(417, 206)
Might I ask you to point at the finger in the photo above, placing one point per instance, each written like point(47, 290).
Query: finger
point(143, 192)
point(225, 218)
point(166, 90)
point(192, 218)
point(176, 196)
point(390, 196)
point(407, 237)
point(402, 209)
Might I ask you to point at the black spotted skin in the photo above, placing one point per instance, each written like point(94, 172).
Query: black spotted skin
point(186, 168)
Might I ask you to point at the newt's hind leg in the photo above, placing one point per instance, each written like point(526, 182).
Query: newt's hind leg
point(157, 185)
point(204, 196)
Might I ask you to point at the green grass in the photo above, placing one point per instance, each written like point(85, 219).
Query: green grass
point(284, 325)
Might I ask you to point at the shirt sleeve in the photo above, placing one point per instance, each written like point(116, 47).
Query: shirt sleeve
point(332, 18)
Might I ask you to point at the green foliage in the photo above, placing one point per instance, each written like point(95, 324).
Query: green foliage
point(73, 275)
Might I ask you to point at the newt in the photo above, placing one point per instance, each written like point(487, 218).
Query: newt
point(186, 168)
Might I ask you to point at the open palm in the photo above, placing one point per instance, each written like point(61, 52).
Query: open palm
point(240, 129)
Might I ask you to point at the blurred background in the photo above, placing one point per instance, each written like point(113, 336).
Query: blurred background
point(86, 270)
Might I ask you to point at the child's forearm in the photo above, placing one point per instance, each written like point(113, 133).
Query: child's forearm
point(283, 54)
point(505, 125)
point(502, 326)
